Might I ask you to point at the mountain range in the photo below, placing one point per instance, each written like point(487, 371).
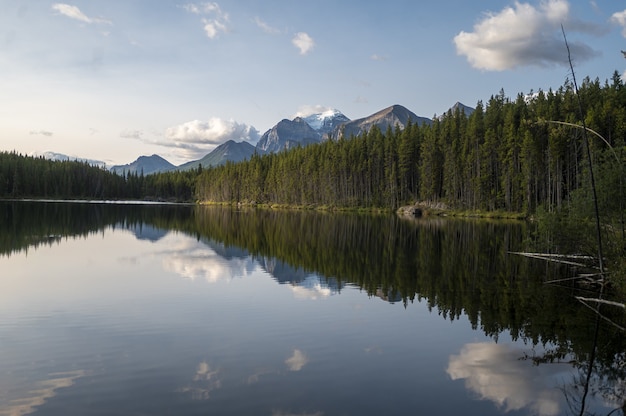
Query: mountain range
point(63, 157)
point(286, 134)
point(145, 165)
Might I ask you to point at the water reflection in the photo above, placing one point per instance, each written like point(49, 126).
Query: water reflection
point(460, 271)
point(192, 260)
point(41, 392)
point(495, 372)
point(204, 382)
point(297, 360)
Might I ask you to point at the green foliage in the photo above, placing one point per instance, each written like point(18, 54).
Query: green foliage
point(504, 156)
point(36, 177)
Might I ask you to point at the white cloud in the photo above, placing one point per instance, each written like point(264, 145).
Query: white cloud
point(74, 12)
point(496, 373)
point(376, 57)
point(213, 27)
point(195, 138)
point(620, 19)
point(297, 360)
point(216, 21)
point(524, 35)
point(266, 27)
point(202, 8)
point(307, 110)
point(131, 134)
point(41, 132)
point(303, 42)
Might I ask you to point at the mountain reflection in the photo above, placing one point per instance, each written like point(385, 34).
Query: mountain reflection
point(456, 268)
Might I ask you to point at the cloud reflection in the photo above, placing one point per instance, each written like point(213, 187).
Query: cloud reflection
point(297, 360)
point(195, 260)
point(312, 288)
point(256, 377)
point(495, 372)
point(204, 382)
point(44, 391)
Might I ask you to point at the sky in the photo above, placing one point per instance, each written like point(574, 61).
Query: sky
point(112, 80)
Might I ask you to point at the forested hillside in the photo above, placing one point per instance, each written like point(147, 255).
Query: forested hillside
point(35, 177)
point(509, 154)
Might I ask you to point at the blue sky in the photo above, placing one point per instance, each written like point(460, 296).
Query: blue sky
point(113, 80)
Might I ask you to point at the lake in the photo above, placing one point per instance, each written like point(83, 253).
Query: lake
point(135, 309)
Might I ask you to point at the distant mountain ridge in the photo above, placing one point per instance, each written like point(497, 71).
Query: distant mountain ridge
point(462, 108)
point(394, 116)
point(287, 134)
point(62, 157)
point(145, 165)
point(330, 124)
point(230, 151)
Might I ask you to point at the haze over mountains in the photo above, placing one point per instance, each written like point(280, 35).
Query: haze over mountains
point(286, 134)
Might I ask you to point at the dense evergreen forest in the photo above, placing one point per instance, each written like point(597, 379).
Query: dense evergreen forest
point(509, 154)
point(35, 177)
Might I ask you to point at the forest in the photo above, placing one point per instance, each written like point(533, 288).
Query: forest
point(35, 177)
point(509, 154)
point(513, 155)
point(525, 155)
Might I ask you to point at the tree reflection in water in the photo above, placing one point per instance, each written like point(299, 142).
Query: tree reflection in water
point(459, 268)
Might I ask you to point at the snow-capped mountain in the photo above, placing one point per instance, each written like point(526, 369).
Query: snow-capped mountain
point(303, 130)
point(326, 121)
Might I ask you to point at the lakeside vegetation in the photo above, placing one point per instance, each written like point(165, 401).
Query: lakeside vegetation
point(505, 156)
point(510, 157)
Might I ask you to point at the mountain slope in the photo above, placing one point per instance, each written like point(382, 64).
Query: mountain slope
point(394, 116)
point(287, 134)
point(326, 121)
point(228, 151)
point(145, 164)
point(62, 157)
point(463, 108)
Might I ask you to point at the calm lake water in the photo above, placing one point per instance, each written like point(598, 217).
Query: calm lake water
point(110, 309)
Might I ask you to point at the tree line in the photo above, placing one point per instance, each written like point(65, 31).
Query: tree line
point(36, 177)
point(509, 154)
